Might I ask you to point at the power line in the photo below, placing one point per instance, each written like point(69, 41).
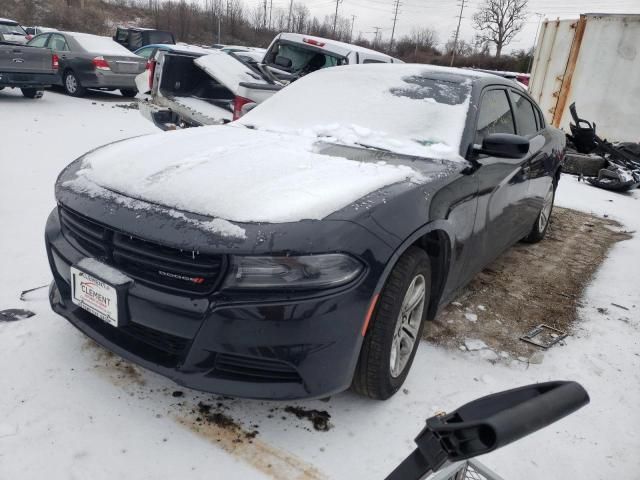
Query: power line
point(375, 38)
point(455, 40)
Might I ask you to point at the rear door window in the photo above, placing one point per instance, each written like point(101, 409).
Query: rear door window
point(525, 114)
point(58, 43)
point(495, 115)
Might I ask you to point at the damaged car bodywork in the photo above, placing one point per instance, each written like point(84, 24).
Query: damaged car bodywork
point(285, 256)
point(193, 86)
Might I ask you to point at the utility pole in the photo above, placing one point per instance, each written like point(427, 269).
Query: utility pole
point(335, 17)
point(395, 19)
point(270, 12)
point(264, 15)
point(375, 38)
point(535, 40)
point(353, 20)
point(455, 40)
point(290, 12)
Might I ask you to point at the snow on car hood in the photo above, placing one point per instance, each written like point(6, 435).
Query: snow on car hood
point(235, 174)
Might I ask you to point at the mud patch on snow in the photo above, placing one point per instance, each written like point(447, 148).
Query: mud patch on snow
point(318, 418)
point(118, 370)
point(217, 426)
point(527, 286)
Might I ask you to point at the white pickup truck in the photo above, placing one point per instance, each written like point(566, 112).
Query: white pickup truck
point(195, 86)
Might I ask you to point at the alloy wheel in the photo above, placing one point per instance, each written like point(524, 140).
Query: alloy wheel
point(407, 326)
point(71, 83)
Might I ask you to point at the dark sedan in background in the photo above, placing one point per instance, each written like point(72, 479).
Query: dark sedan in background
point(91, 61)
point(298, 251)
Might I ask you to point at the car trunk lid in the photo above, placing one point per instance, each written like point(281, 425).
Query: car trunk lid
point(121, 64)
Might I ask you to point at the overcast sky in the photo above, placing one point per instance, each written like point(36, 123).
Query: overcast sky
point(441, 15)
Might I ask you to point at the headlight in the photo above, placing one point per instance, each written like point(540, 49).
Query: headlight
point(303, 272)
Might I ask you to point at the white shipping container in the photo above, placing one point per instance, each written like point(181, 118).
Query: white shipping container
point(595, 62)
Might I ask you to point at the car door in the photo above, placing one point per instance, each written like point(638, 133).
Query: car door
point(541, 163)
point(58, 45)
point(503, 212)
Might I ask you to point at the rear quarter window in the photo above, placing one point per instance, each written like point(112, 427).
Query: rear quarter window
point(525, 114)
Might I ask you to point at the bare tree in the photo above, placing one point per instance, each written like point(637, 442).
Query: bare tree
point(498, 21)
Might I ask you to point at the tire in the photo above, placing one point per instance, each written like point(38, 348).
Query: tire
point(128, 93)
point(71, 84)
point(32, 92)
point(540, 226)
point(377, 376)
point(1, 88)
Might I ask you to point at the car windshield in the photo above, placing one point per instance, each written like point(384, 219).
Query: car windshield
point(12, 29)
point(412, 109)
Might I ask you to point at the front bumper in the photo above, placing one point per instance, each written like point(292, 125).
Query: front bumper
point(300, 347)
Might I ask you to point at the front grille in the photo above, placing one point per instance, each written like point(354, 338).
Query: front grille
point(166, 342)
point(151, 263)
point(252, 369)
point(91, 236)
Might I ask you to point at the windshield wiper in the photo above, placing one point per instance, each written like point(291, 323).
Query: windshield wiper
point(380, 149)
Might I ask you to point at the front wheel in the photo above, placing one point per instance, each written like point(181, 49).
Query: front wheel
point(128, 93)
point(32, 92)
point(540, 226)
point(391, 342)
point(72, 85)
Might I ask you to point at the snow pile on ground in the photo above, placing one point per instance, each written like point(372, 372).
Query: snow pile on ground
point(402, 108)
point(236, 174)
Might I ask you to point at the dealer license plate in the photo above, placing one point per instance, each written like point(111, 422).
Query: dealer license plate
point(94, 295)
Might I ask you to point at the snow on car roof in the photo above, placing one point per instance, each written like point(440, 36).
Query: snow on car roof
point(341, 48)
point(9, 21)
point(98, 44)
point(416, 110)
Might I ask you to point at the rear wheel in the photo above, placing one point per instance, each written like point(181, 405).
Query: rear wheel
point(32, 92)
point(394, 333)
point(1, 88)
point(128, 93)
point(539, 229)
point(72, 85)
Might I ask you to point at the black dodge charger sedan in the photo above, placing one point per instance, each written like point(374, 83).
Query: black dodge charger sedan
point(299, 251)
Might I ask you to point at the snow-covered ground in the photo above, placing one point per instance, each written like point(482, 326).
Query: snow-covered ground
point(67, 411)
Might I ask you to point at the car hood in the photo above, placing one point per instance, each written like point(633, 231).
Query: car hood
point(242, 175)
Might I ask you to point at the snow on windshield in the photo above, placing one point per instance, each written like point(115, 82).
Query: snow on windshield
point(103, 45)
point(411, 109)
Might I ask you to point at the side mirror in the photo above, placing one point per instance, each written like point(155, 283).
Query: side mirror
point(504, 145)
point(284, 62)
point(489, 423)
